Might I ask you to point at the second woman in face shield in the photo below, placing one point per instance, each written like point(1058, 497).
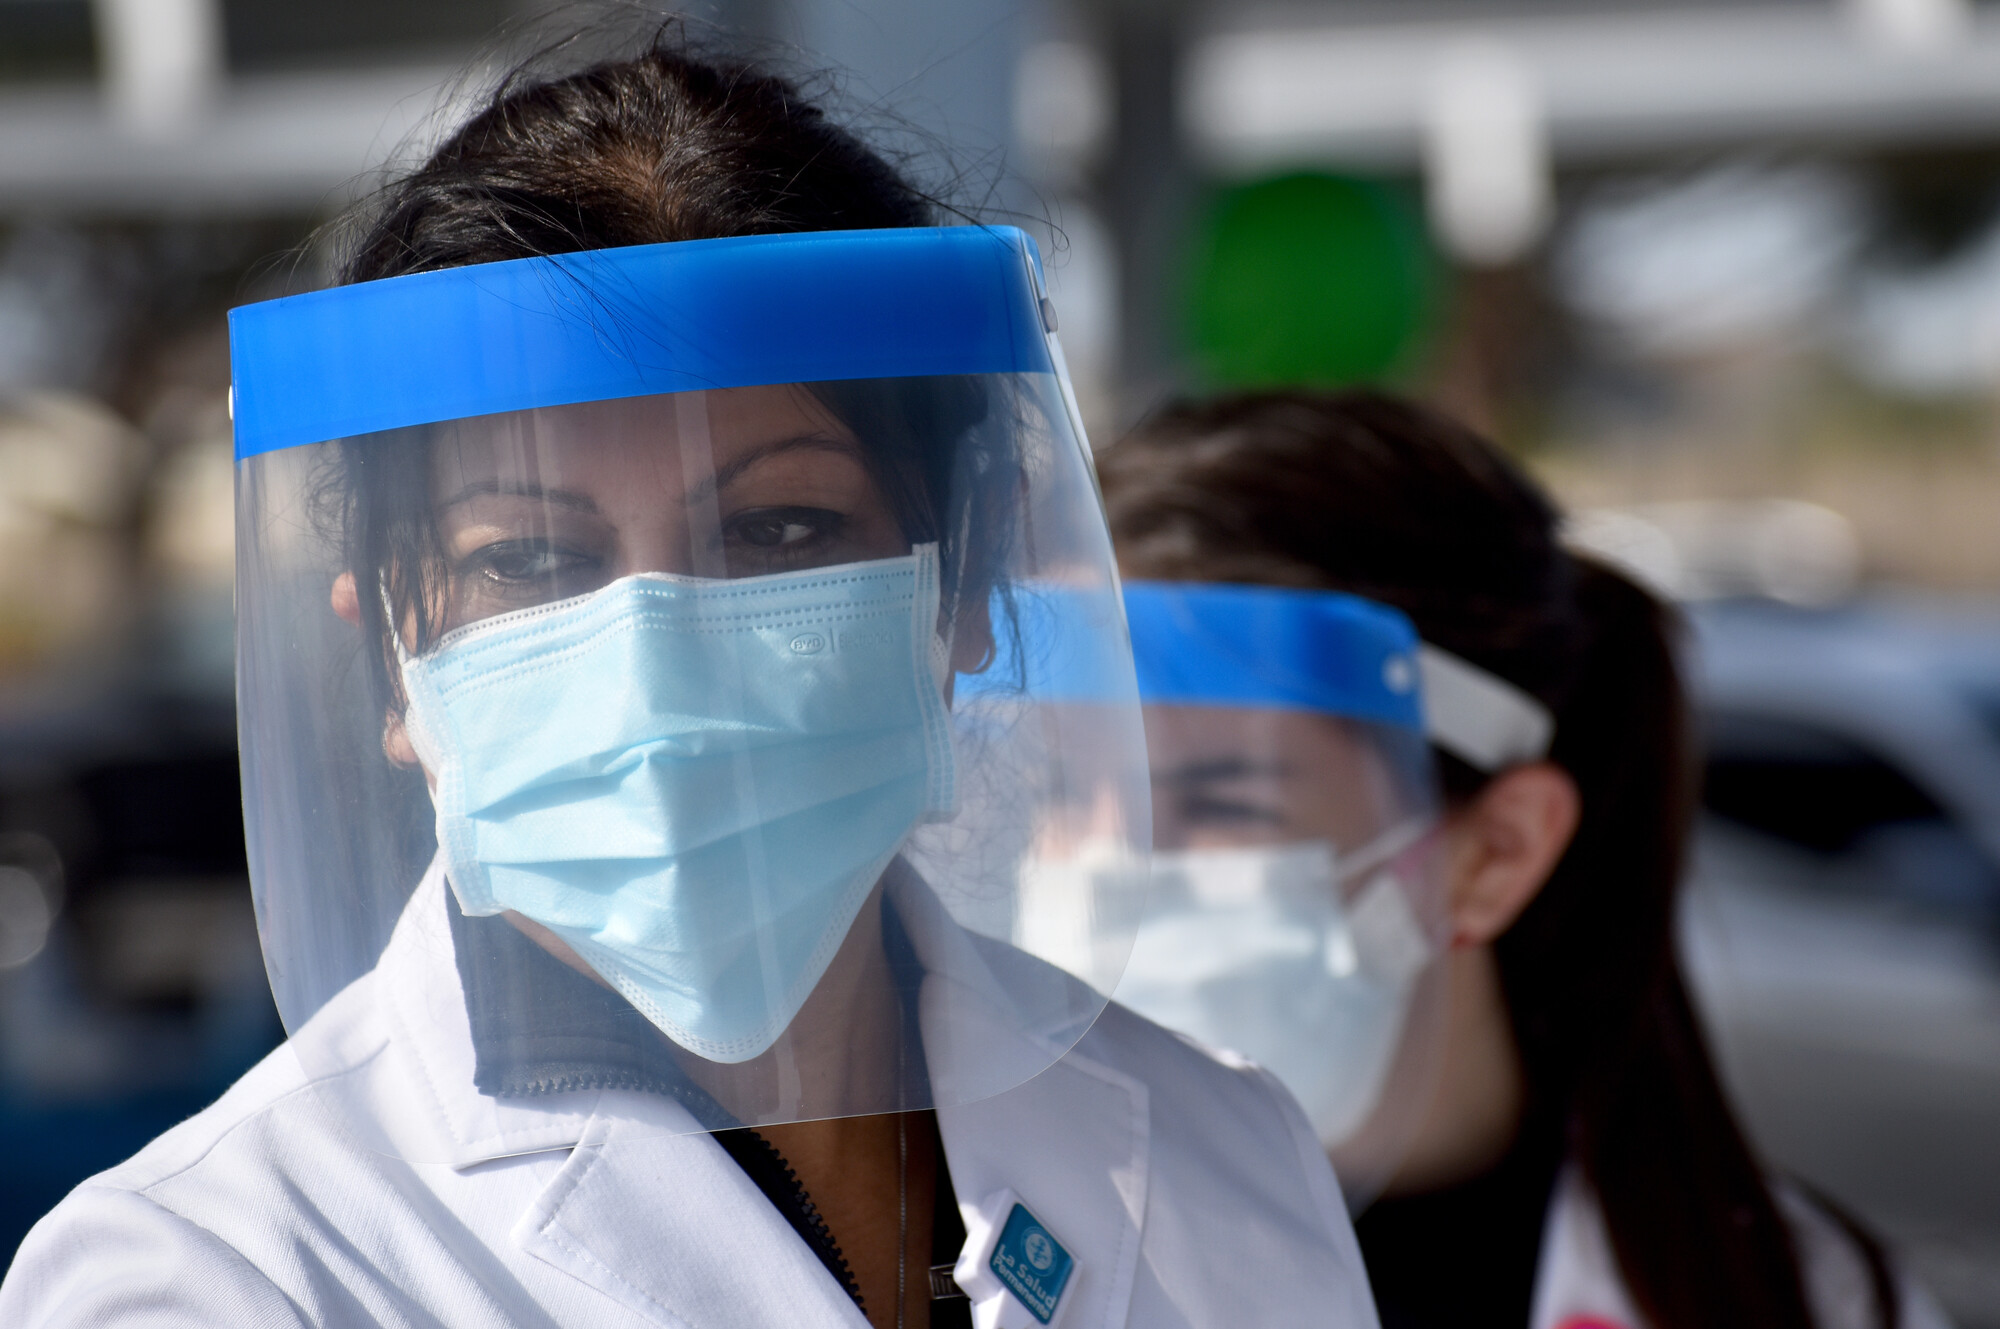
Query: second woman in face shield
point(655, 815)
point(1577, 1164)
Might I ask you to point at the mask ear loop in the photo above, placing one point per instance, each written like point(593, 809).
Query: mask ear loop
point(1385, 848)
point(926, 608)
point(944, 641)
point(1397, 934)
point(1384, 863)
point(412, 718)
point(403, 656)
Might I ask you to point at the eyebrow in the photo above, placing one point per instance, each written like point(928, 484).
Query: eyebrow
point(726, 476)
point(569, 498)
point(561, 498)
point(1222, 768)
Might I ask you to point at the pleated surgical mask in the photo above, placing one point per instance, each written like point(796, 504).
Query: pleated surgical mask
point(694, 783)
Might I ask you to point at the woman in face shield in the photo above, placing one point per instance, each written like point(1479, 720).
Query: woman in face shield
point(1536, 1107)
point(1297, 893)
point(686, 716)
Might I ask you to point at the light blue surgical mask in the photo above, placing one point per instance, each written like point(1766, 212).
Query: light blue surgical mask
point(695, 783)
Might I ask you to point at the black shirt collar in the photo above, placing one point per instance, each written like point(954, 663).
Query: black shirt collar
point(540, 1027)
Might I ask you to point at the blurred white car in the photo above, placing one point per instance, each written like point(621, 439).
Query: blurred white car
point(1842, 922)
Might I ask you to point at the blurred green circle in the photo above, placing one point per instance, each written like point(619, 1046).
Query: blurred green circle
point(1309, 279)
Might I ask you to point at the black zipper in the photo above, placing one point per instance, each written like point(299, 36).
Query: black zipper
point(764, 1165)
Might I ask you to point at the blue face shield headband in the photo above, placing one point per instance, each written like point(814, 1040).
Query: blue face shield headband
point(1212, 644)
point(650, 319)
point(1267, 647)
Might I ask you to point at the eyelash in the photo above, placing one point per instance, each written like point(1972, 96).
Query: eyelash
point(820, 524)
point(482, 562)
point(816, 527)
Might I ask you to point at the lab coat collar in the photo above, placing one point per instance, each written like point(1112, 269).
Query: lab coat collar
point(1070, 1139)
point(671, 1228)
point(422, 1003)
point(539, 1027)
point(1009, 1017)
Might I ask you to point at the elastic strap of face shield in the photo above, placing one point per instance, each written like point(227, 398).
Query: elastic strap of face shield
point(1481, 719)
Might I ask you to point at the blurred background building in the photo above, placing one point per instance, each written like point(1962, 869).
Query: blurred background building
point(1726, 273)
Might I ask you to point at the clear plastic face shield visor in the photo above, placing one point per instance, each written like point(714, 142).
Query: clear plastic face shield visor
point(1298, 898)
point(633, 682)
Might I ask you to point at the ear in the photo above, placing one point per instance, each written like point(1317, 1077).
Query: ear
point(396, 745)
point(1504, 846)
point(346, 603)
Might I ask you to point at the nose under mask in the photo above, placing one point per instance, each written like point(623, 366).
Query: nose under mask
point(694, 783)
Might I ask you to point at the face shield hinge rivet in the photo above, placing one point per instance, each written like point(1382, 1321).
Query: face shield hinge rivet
point(1048, 314)
point(1398, 674)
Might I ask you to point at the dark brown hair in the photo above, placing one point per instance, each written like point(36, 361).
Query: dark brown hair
point(1381, 498)
point(667, 144)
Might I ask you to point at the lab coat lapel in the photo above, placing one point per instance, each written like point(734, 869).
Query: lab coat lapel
point(646, 1208)
point(652, 1213)
point(1073, 1143)
point(1072, 1139)
point(439, 1116)
point(671, 1228)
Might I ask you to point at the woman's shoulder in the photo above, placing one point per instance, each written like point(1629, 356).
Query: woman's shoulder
point(1214, 1091)
point(111, 1254)
point(168, 1233)
point(275, 1099)
point(1225, 1134)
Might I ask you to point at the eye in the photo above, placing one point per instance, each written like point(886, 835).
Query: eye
point(783, 528)
point(1212, 810)
point(511, 562)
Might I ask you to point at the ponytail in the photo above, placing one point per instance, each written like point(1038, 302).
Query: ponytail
point(1601, 1013)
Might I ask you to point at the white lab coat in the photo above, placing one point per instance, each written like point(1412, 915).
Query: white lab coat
point(1577, 1284)
point(1191, 1191)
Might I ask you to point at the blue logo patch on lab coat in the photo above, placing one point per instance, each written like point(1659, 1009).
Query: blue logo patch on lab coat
point(1032, 1264)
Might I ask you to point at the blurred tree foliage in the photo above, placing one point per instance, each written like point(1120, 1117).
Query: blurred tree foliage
point(1312, 279)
